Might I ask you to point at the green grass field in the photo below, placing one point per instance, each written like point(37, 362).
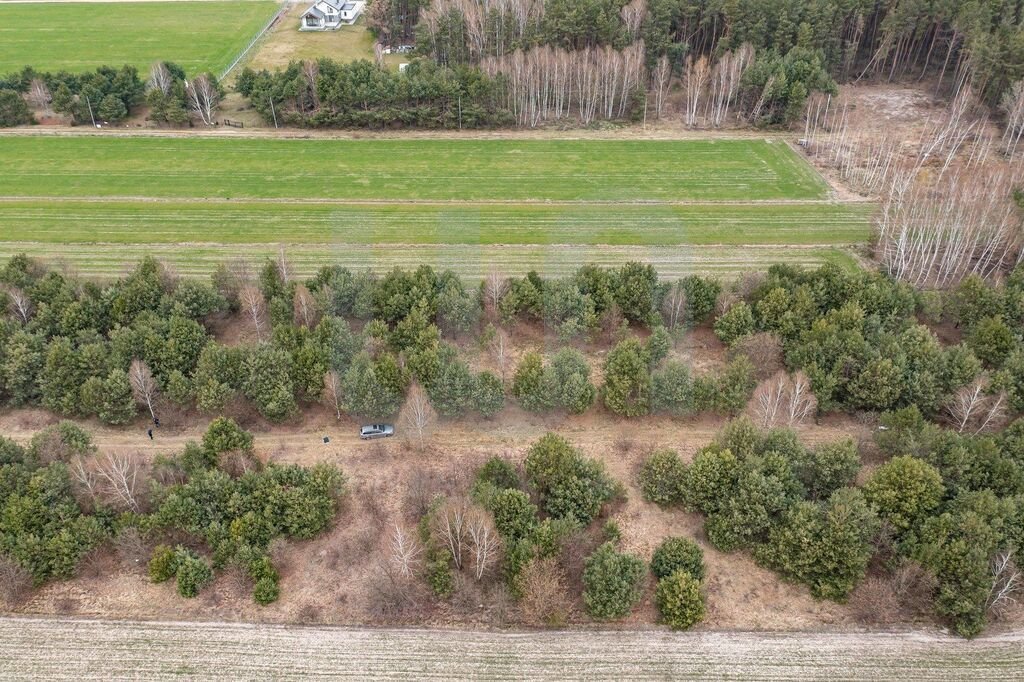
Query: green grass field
point(199, 36)
point(550, 204)
point(406, 170)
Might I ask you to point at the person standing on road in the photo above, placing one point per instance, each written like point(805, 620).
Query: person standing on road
point(150, 434)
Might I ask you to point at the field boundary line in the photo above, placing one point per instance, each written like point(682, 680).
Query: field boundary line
point(99, 199)
point(282, 10)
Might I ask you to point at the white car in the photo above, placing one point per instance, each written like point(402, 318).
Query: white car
point(376, 431)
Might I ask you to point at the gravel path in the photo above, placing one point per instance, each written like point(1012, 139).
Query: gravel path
point(44, 649)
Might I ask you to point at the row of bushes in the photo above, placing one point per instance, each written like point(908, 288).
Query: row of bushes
point(80, 349)
point(69, 346)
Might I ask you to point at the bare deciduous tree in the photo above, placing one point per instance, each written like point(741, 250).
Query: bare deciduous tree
point(284, 266)
point(633, 16)
point(39, 94)
point(450, 526)
point(974, 409)
point(1007, 583)
point(695, 80)
point(673, 306)
point(111, 480)
point(418, 415)
point(20, 303)
point(483, 541)
point(495, 287)
point(144, 386)
point(660, 79)
point(405, 551)
point(1012, 105)
point(545, 599)
point(159, 78)
point(203, 97)
point(784, 400)
point(304, 308)
point(85, 478)
point(332, 396)
point(500, 347)
point(549, 83)
point(254, 307)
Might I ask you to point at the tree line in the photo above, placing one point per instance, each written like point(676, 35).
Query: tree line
point(109, 95)
point(359, 343)
point(362, 344)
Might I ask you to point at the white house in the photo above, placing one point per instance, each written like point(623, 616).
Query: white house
point(330, 15)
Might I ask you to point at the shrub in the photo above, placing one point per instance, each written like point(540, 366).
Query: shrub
point(904, 491)
point(709, 479)
point(498, 472)
point(679, 600)
point(992, 341)
point(701, 295)
point(878, 386)
point(225, 435)
point(14, 110)
point(658, 345)
point(118, 403)
point(612, 582)
point(827, 468)
point(266, 591)
point(826, 546)
point(736, 323)
point(440, 578)
point(515, 516)
point(488, 394)
point(193, 574)
point(678, 554)
point(661, 478)
point(568, 485)
point(672, 389)
point(627, 379)
point(164, 564)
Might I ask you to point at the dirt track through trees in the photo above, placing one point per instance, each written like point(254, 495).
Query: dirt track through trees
point(44, 649)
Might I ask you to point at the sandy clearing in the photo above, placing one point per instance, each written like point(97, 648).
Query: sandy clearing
point(54, 649)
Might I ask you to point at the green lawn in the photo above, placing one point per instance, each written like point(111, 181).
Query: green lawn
point(199, 36)
point(406, 170)
point(718, 206)
point(242, 222)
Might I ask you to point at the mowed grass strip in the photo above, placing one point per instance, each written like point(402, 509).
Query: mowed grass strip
point(108, 261)
point(239, 222)
point(69, 36)
point(406, 170)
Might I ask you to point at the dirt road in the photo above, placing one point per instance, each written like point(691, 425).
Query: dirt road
point(45, 649)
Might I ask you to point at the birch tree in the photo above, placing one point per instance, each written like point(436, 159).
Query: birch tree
point(406, 551)
point(332, 396)
point(144, 386)
point(203, 97)
point(418, 415)
point(784, 400)
point(483, 541)
point(160, 78)
point(254, 307)
point(19, 303)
